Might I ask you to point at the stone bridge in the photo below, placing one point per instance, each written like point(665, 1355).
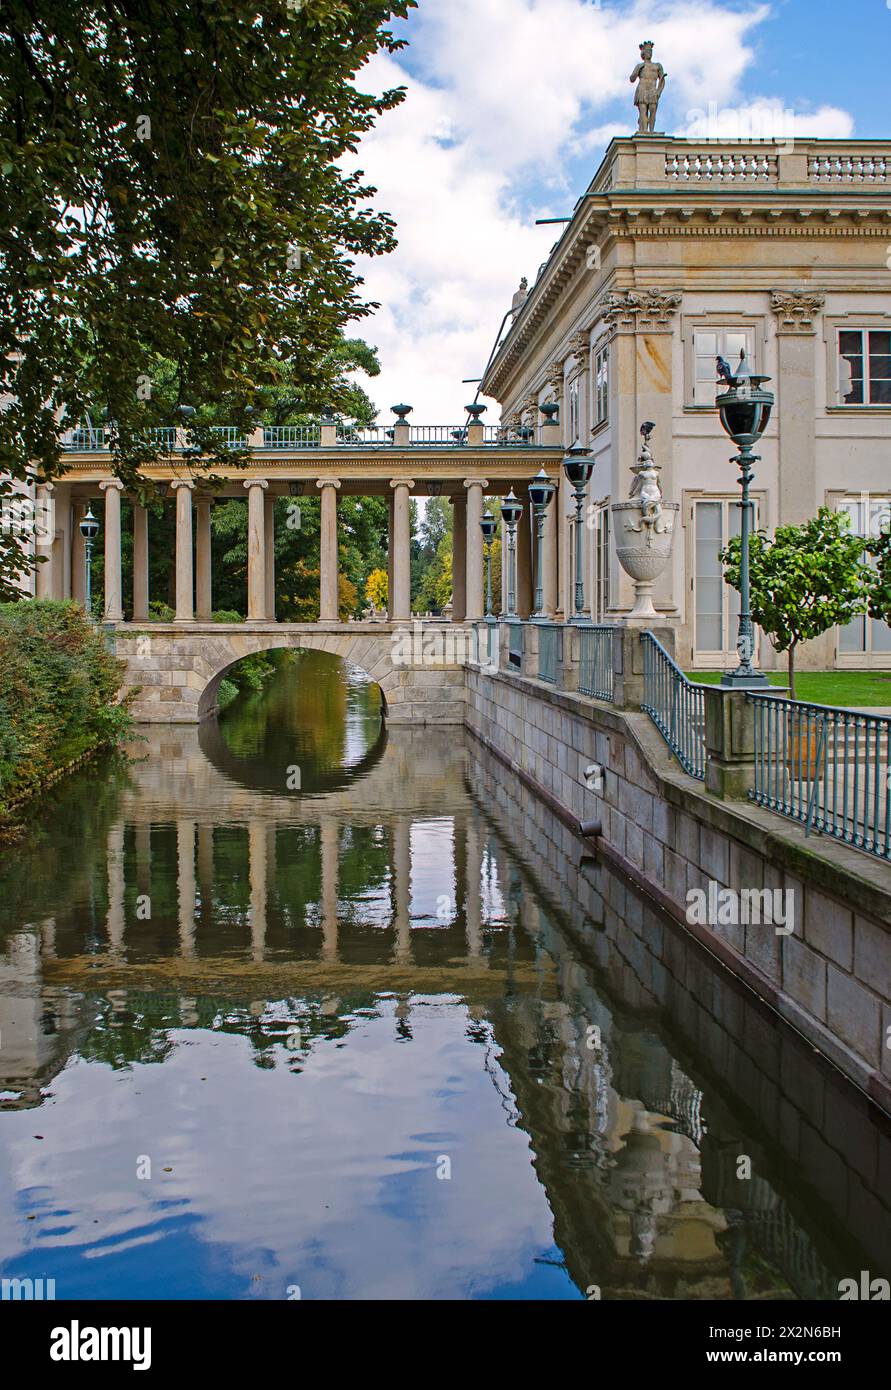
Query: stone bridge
point(175, 672)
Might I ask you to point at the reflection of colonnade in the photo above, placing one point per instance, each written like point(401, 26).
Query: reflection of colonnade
point(129, 903)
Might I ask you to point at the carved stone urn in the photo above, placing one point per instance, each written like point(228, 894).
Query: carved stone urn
point(644, 530)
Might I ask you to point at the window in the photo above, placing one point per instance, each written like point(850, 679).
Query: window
point(574, 417)
point(864, 366)
point(599, 523)
point(715, 604)
point(709, 343)
point(601, 386)
point(866, 641)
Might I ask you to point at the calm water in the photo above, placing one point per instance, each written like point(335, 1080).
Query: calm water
point(296, 1003)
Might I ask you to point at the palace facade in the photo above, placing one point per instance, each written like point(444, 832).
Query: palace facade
point(679, 252)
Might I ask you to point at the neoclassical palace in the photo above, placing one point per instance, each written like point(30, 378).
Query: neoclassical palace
point(679, 252)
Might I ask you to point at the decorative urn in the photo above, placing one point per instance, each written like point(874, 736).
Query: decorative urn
point(644, 529)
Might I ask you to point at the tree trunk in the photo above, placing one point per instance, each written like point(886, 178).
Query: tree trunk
point(792, 672)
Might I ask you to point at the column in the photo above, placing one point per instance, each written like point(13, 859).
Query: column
point(140, 564)
point(400, 540)
point(256, 487)
point(474, 592)
point(203, 574)
point(525, 587)
point(257, 876)
point(185, 576)
point(329, 852)
point(44, 535)
point(78, 556)
point(185, 886)
point(459, 559)
point(114, 611)
point(205, 867)
point(797, 403)
point(142, 836)
point(391, 547)
point(269, 525)
point(328, 587)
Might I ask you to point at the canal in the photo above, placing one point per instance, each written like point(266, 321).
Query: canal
point(296, 1005)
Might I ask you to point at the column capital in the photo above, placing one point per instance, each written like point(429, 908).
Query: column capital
point(181, 482)
point(796, 309)
point(328, 482)
point(111, 483)
point(45, 487)
point(402, 482)
point(476, 482)
point(256, 482)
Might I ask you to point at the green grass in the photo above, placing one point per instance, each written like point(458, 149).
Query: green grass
point(844, 688)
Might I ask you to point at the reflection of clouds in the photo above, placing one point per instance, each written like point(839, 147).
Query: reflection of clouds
point(324, 1178)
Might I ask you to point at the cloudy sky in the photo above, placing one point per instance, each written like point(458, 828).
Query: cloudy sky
point(510, 105)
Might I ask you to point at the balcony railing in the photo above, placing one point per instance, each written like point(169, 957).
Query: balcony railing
point(549, 645)
point(291, 436)
point(829, 769)
point(675, 705)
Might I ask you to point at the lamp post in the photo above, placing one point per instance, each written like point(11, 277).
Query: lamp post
point(541, 490)
point(511, 511)
point(89, 529)
point(487, 526)
point(578, 467)
point(745, 410)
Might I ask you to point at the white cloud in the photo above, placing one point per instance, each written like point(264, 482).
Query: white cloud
point(502, 96)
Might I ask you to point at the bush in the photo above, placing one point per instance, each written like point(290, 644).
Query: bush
point(58, 694)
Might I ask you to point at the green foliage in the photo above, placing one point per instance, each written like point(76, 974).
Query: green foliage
point(803, 581)
point(179, 204)
point(432, 557)
point(58, 694)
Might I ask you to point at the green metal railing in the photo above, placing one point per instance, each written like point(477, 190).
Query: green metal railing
point(596, 662)
point(549, 638)
point(829, 769)
point(675, 705)
point(515, 644)
point(291, 436)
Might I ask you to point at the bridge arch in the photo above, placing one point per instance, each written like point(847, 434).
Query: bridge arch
point(371, 656)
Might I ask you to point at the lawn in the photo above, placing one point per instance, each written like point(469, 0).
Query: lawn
point(847, 688)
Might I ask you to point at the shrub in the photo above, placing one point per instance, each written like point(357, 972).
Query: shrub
point(58, 694)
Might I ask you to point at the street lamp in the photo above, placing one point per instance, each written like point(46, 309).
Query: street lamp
point(511, 511)
point(89, 529)
point(487, 526)
point(541, 490)
point(578, 467)
point(745, 410)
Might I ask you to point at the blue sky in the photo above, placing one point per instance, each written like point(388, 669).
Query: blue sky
point(510, 106)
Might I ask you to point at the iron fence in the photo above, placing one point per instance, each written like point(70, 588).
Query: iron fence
point(291, 436)
point(438, 434)
point(829, 769)
point(676, 706)
point(515, 644)
point(549, 638)
point(375, 436)
point(596, 661)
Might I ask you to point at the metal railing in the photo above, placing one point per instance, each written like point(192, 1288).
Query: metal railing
point(374, 436)
point(438, 434)
point(549, 638)
point(515, 644)
point(291, 436)
point(676, 706)
point(829, 769)
point(230, 436)
point(596, 662)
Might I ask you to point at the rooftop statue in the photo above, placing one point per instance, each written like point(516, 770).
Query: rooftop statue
point(650, 79)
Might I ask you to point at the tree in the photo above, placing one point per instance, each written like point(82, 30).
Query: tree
point(176, 189)
point(376, 589)
point(803, 581)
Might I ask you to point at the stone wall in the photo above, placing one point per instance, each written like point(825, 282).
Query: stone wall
point(830, 977)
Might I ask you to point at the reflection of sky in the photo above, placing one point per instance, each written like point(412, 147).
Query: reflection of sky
point(323, 1177)
point(433, 872)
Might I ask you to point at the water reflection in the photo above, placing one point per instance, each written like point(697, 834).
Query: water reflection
point(306, 1009)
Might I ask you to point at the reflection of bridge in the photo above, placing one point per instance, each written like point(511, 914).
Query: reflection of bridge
point(177, 671)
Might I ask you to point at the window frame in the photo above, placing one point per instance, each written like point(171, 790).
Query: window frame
point(600, 355)
point(866, 355)
point(722, 322)
point(833, 325)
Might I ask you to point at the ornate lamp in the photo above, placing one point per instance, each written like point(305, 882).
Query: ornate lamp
point(488, 527)
point(511, 511)
point(744, 408)
point(541, 490)
point(578, 467)
point(89, 529)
